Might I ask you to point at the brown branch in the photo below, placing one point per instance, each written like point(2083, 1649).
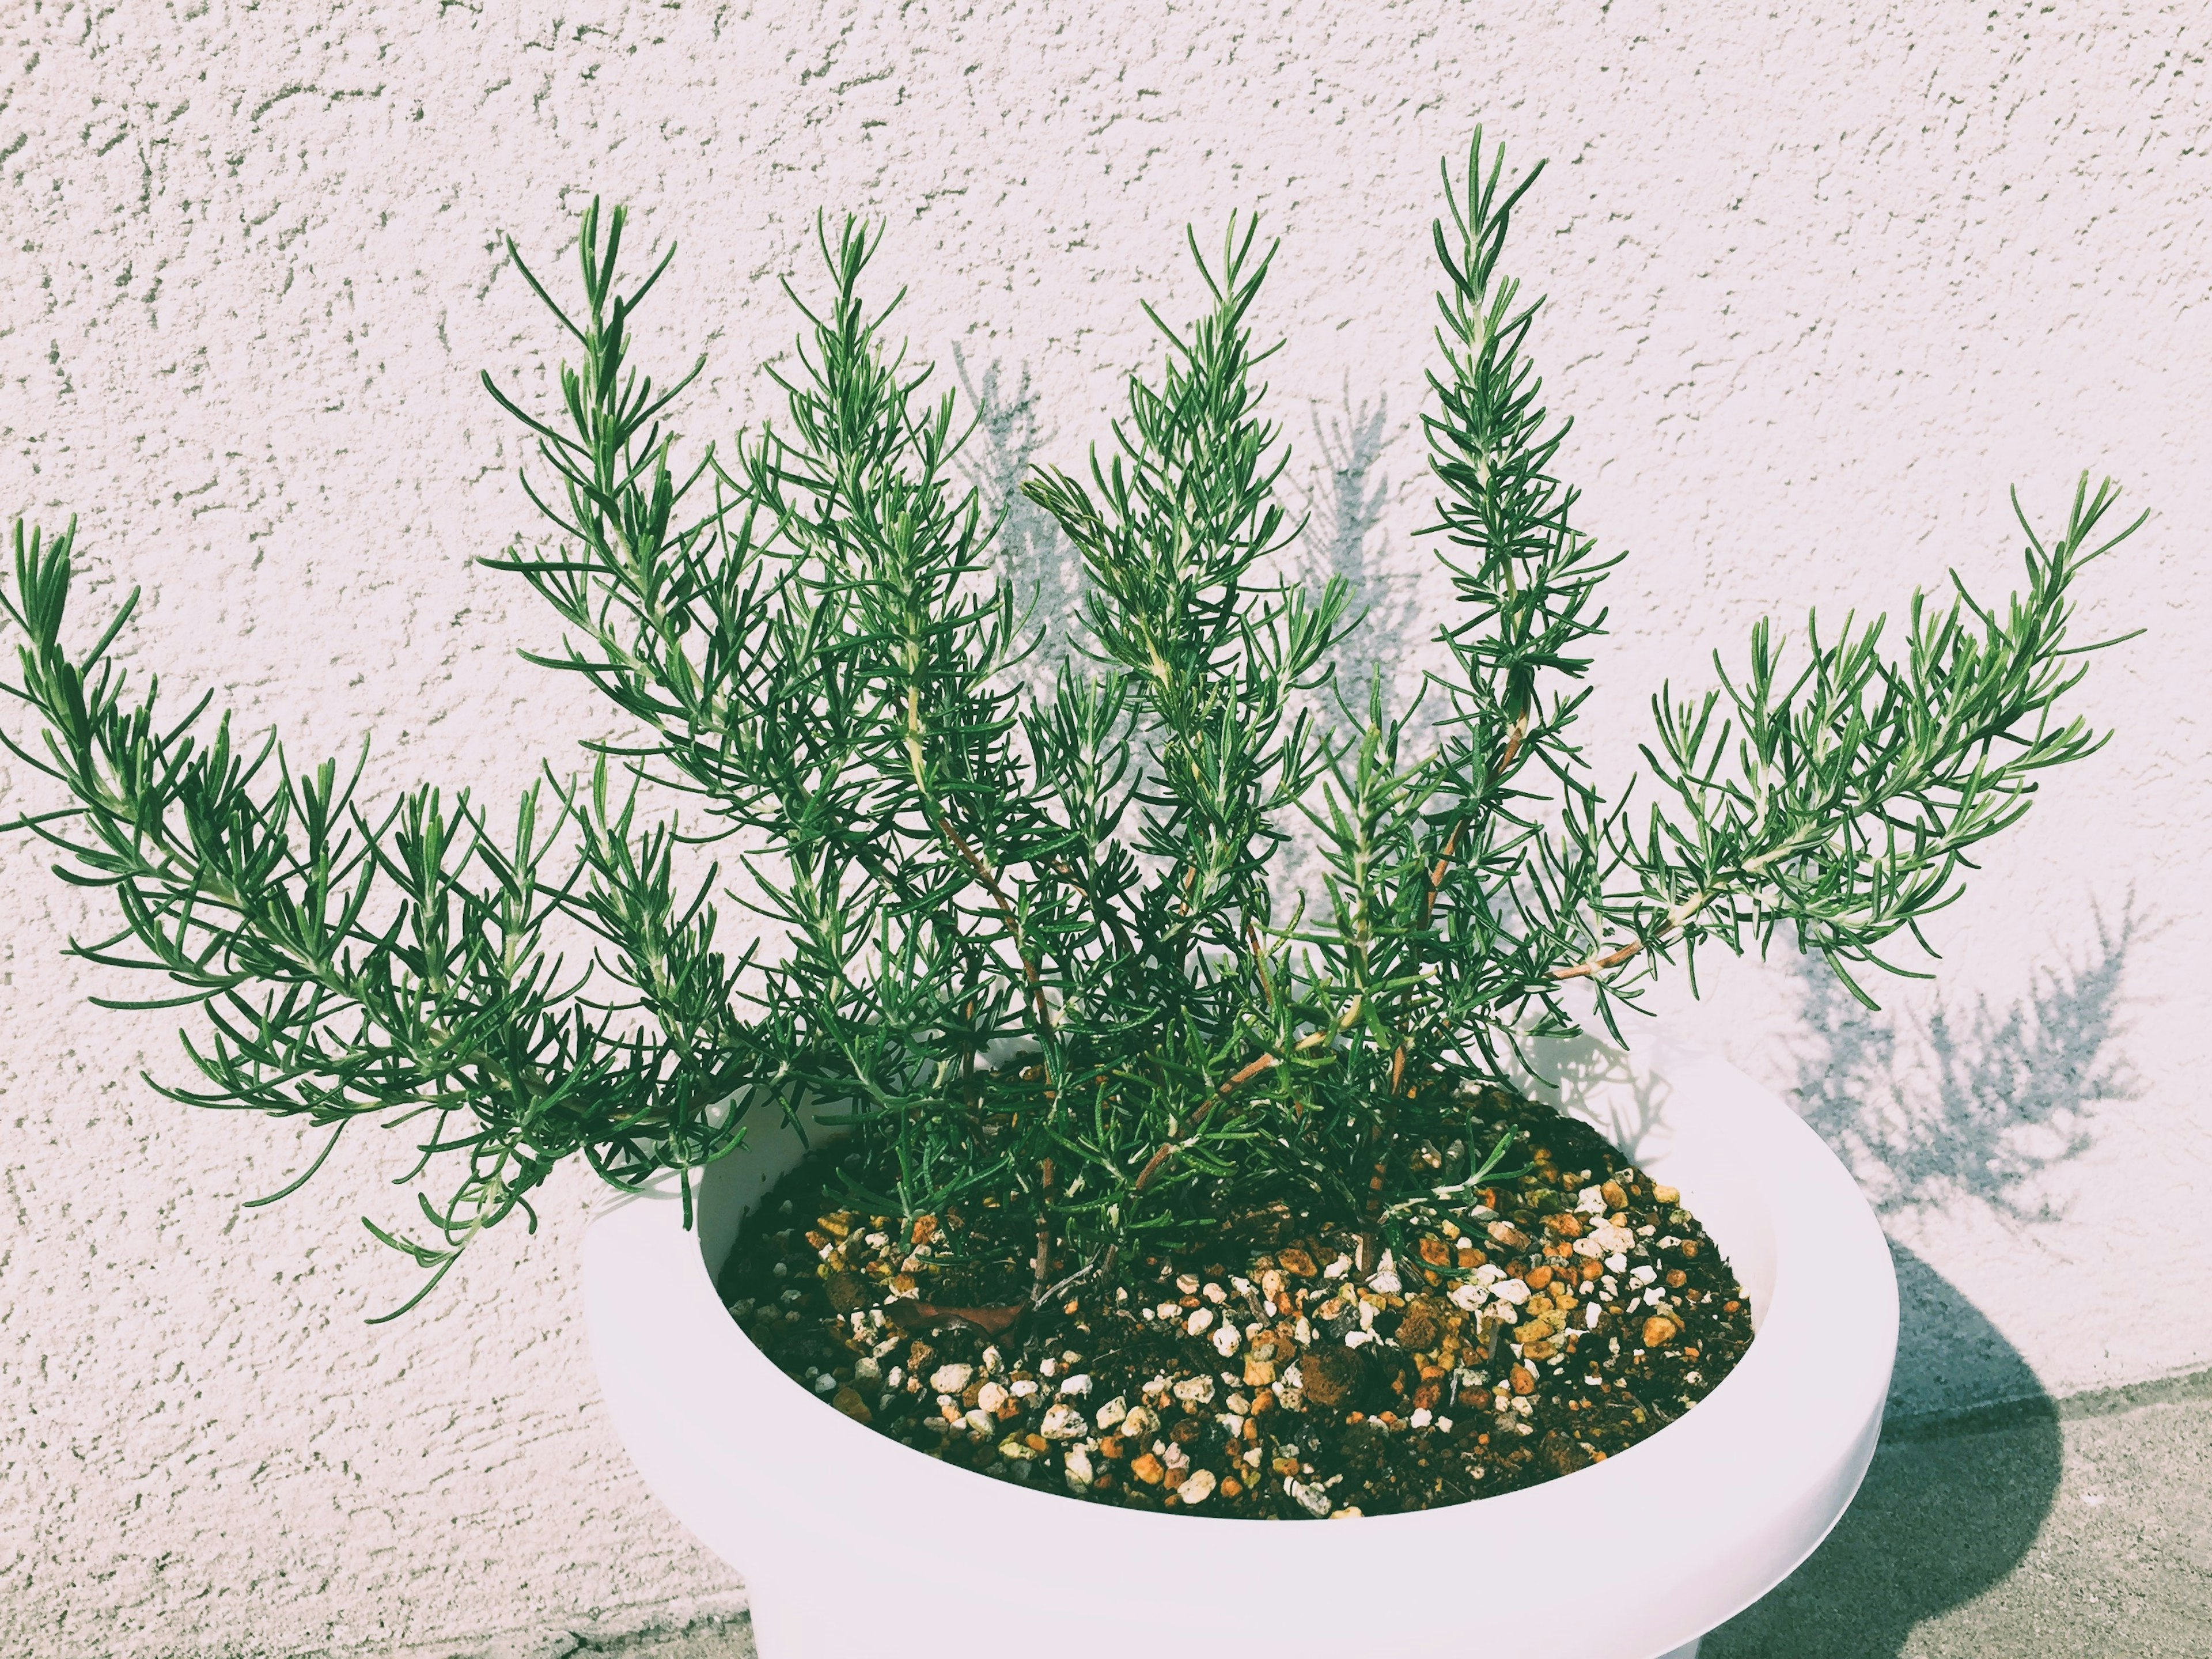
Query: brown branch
point(1513, 741)
point(1599, 964)
point(1676, 917)
point(1265, 1063)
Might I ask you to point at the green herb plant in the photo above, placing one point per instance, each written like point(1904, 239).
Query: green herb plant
point(1025, 945)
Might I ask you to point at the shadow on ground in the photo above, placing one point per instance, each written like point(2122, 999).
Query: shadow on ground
point(1949, 1508)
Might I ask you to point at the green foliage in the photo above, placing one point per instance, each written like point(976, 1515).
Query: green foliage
point(1028, 945)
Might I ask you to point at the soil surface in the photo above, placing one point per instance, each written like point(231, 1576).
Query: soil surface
point(1577, 1309)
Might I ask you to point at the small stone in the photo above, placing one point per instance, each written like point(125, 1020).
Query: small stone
point(1200, 1321)
point(1258, 1373)
point(1616, 1198)
point(1016, 1449)
point(1422, 1417)
point(1063, 1422)
point(1513, 1290)
point(1112, 1412)
point(1565, 1456)
point(1664, 1195)
point(825, 1383)
point(1076, 1465)
point(848, 1401)
point(1226, 1341)
point(1075, 1385)
point(1297, 1261)
point(1198, 1488)
point(1524, 1380)
point(1214, 1294)
point(1506, 1236)
point(1187, 1283)
point(1149, 1469)
point(1384, 1281)
point(950, 1379)
point(1469, 1297)
point(1271, 1284)
point(1659, 1331)
point(991, 1396)
point(1331, 1375)
point(1540, 1278)
point(867, 1368)
point(1420, 1327)
point(1141, 1424)
point(1194, 1390)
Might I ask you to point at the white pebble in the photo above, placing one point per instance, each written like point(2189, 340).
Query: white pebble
point(1654, 1297)
point(1049, 1368)
point(1644, 1274)
point(1422, 1417)
point(1078, 1466)
point(980, 1423)
point(867, 1370)
point(991, 1396)
point(1616, 1263)
point(1137, 1425)
point(1226, 1341)
point(1384, 1281)
point(952, 1379)
point(1338, 1268)
point(1022, 1388)
point(1467, 1298)
point(1443, 1425)
point(1214, 1294)
point(1511, 1289)
point(1063, 1422)
point(1200, 1319)
point(1075, 1385)
point(1353, 1339)
point(1194, 1390)
point(1112, 1412)
point(1590, 1317)
point(825, 1383)
point(1187, 1283)
point(1198, 1488)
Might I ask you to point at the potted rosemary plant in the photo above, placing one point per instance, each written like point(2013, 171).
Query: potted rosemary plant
point(1054, 1150)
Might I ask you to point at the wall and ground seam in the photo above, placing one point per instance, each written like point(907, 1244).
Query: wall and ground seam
point(1822, 288)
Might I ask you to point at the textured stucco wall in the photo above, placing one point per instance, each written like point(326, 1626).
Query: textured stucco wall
point(1824, 282)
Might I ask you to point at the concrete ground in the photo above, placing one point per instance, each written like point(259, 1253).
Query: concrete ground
point(2044, 1529)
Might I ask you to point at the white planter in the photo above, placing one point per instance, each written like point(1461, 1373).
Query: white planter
point(853, 1545)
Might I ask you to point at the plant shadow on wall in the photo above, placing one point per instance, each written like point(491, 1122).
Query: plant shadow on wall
point(1960, 1106)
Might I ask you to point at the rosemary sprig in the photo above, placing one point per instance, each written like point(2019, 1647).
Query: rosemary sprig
point(1028, 944)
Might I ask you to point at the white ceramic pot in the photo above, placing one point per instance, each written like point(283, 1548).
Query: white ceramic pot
point(853, 1545)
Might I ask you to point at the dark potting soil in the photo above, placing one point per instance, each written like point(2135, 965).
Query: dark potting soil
point(1579, 1310)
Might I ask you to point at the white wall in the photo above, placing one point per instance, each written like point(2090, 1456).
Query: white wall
point(1821, 290)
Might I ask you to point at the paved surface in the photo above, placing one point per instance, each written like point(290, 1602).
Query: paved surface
point(2081, 1527)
